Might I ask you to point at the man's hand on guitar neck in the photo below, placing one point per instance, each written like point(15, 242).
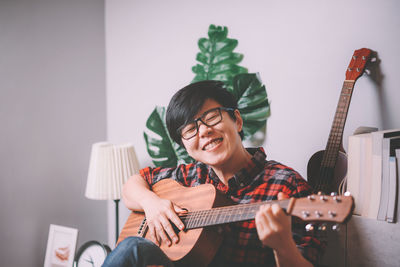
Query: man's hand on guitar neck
point(274, 230)
point(273, 225)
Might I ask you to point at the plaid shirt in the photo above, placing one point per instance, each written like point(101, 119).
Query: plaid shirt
point(260, 180)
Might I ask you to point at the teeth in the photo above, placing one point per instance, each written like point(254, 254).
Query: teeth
point(212, 144)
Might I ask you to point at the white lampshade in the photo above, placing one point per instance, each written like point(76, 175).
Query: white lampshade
point(110, 167)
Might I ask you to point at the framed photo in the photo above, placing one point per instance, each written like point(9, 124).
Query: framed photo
point(61, 246)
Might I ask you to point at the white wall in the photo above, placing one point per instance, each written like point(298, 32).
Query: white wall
point(300, 48)
point(52, 108)
point(301, 51)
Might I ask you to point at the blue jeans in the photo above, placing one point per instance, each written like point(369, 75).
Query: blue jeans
point(137, 251)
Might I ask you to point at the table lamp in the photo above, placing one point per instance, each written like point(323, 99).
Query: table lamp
point(110, 167)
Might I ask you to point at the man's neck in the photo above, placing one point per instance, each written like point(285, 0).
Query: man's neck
point(228, 170)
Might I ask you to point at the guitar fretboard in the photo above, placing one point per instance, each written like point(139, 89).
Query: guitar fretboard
point(336, 133)
point(222, 215)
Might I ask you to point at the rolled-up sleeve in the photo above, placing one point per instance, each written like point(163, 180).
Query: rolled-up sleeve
point(179, 174)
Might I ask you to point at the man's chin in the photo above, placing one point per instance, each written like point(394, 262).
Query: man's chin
point(213, 160)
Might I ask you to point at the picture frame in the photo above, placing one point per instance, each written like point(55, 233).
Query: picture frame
point(61, 246)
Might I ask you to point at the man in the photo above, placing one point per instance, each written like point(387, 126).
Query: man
point(204, 119)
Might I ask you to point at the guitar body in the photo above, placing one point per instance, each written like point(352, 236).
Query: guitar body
point(196, 247)
point(332, 177)
point(208, 210)
point(326, 169)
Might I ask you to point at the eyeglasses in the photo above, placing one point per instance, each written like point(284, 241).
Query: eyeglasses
point(209, 118)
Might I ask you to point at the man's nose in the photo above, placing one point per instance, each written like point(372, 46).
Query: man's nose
point(203, 128)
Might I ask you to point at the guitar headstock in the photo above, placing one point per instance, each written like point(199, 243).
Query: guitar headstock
point(357, 64)
point(318, 207)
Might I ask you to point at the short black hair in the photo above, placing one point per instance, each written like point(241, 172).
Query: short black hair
point(187, 102)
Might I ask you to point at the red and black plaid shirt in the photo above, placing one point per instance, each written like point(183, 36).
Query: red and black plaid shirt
point(260, 180)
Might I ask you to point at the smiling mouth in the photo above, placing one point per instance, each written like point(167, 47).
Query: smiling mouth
point(211, 144)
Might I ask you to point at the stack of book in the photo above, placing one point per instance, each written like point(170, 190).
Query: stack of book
point(373, 174)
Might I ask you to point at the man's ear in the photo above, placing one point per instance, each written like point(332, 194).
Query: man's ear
point(239, 120)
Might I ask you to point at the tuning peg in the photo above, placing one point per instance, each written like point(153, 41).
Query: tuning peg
point(337, 199)
point(332, 214)
point(310, 227)
point(336, 227)
point(305, 213)
point(319, 193)
point(318, 214)
point(347, 194)
point(333, 194)
point(322, 227)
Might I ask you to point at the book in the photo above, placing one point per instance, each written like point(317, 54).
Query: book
point(389, 144)
point(392, 195)
point(359, 172)
point(397, 209)
point(377, 190)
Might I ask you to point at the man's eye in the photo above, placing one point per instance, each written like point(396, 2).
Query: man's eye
point(189, 129)
point(212, 116)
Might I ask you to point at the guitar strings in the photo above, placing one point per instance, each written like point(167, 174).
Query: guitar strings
point(224, 214)
point(202, 218)
point(338, 123)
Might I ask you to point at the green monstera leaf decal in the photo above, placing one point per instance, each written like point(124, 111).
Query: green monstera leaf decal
point(217, 61)
point(160, 146)
point(252, 102)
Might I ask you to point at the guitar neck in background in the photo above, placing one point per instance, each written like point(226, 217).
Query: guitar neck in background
point(327, 181)
point(336, 134)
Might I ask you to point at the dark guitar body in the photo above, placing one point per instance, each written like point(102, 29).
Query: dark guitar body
point(326, 169)
point(326, 179)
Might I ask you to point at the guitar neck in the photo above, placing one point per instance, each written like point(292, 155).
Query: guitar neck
point(336, 133)
point(228, 214)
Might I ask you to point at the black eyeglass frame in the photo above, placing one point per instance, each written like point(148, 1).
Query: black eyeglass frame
point(195, 121)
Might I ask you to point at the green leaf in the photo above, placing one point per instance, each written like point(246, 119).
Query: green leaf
point(216, 57)
point(161, 148)
point(252, 102)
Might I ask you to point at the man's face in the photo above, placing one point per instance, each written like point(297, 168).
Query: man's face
point(215, 145)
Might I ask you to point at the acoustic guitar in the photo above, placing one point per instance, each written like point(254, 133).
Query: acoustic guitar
point(327, 168)
point(207, 210)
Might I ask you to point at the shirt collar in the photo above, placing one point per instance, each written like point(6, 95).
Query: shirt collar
point(253, 167)
point(244, 177)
